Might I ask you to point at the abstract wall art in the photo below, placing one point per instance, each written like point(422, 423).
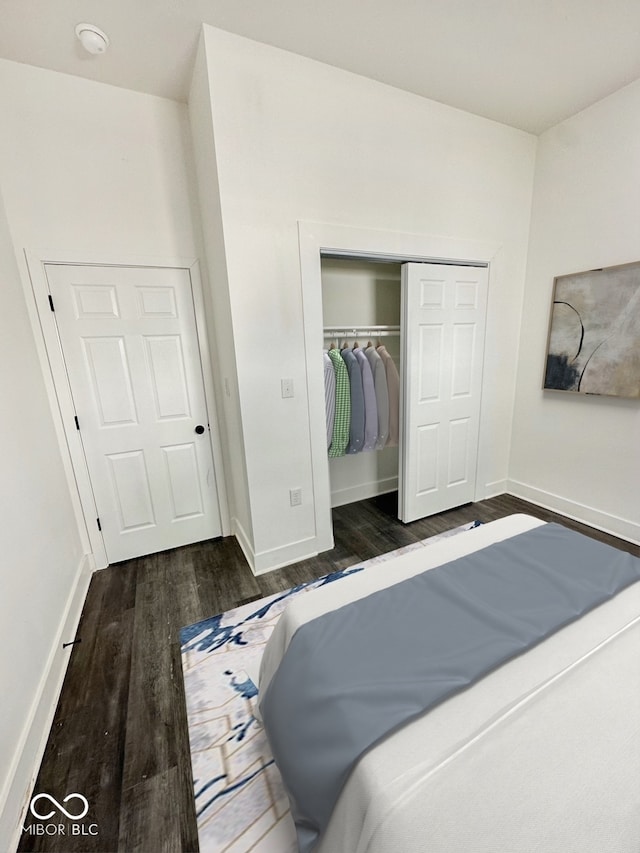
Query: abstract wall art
point(594, 333)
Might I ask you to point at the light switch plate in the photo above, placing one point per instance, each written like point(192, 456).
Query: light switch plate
point(287, 388)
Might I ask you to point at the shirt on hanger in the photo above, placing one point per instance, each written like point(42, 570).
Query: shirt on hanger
point(356, 428)
point(393, 388)
point(382, 395)
point(329, 395)
point(370, 405)
point(342, 419)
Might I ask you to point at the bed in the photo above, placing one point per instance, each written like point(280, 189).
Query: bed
point(540, 753)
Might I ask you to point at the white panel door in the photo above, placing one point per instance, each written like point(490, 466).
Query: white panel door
point(130, 346)
point(444, 309)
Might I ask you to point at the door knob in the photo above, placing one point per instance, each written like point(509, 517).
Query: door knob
point(199, 429)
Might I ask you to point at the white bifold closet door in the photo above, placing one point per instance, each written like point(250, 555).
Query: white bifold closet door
point(443, 316)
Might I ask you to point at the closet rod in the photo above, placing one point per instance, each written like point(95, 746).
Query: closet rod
point(360, 331)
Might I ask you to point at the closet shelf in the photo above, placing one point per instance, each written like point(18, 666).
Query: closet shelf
point(360, 331)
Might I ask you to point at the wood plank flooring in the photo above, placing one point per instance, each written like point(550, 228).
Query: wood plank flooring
point(119, 735)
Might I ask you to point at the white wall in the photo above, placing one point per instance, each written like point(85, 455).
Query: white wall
point(39, 542)
point(84, 168)
point(580, 455)
point(299, 140)
point(217, 299)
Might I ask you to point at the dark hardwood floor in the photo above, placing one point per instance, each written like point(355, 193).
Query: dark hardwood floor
point(119, 735)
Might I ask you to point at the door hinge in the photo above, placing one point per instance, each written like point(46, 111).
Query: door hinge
point(99, 525)
point(51, 302)
point(75, 417)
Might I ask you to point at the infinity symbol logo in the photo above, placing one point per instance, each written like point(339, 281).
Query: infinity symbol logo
point(85, 806)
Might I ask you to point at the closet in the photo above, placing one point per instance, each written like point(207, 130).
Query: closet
point(431, 319)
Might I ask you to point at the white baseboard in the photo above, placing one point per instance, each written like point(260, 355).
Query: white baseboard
point(362, 491)
point(492, 490)
point(277, 558)
point(261, 562)
point(24, 770)
point(607, 522)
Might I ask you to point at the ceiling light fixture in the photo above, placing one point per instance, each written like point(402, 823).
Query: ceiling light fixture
point(92, 39)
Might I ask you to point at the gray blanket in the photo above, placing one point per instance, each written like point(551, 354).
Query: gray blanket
point(356, 674)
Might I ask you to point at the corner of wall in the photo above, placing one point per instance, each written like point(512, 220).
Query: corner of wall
point(216, 292)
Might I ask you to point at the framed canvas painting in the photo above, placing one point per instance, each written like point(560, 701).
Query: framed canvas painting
point(594, 333)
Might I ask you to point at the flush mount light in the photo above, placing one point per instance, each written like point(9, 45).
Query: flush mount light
point(92, 39)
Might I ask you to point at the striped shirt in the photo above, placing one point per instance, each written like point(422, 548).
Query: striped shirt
point(329, 395)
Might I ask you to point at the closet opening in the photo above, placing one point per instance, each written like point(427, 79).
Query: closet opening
point(361, 308)
point(436, 290)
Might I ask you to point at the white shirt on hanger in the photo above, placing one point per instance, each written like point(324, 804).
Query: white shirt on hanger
point(382, 394)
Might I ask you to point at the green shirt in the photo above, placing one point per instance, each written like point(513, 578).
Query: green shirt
point(342, 418)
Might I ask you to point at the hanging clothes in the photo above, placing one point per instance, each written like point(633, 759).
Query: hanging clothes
point(342, 418)
point(382, 394)
point(329, 395)
point(356, 427)
point(370, 405)
point(393, 388)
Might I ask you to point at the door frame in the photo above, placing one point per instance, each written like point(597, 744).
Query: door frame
point(59, 392)
point(317, 239)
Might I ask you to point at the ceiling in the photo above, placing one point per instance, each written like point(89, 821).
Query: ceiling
point(526, 63)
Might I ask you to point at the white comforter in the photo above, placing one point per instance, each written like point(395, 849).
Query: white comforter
point(541, 756)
